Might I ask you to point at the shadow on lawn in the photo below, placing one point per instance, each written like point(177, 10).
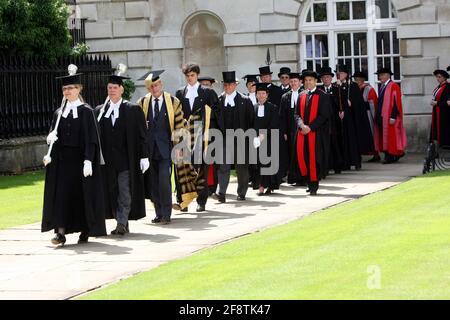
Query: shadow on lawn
point(27, 179)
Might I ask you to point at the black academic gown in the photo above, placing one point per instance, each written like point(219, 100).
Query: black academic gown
point(336, 161)
point(243, 118)
point(268, 122)
point(319, 126)
point(347, 127)
point(72, 201)
point(131, 127)
point(289, 127)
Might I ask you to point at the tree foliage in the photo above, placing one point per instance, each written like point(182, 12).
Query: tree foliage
point(34, 28)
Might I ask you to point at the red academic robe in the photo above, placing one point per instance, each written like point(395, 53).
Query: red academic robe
point(392, 137)
point(370, 97)
point(440, 125)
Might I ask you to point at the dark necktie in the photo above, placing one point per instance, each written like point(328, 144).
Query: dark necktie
point(156, 114)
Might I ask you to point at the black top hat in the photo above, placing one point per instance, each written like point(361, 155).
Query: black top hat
point(309, 73)
point(284, 70)
point(264, 70)
point(72, 78)
point(262, 87)
point(441, 72)
point(384, 70)
point(229, 77)
point(251, 77)
point(326, 71)
point(360, 74)
point(295, 75)
point(151, 77)
point(210, 79)
point(342, 68)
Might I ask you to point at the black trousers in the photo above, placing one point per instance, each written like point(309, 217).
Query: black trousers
point(161, 187)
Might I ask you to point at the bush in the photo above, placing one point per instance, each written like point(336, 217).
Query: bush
point(34, 28)
point(129, 88)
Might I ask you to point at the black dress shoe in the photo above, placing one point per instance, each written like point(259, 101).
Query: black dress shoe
point(240, 198)
point(358, 167)
point(313, 193)
point(84, 237)
point(337, 171)
point(58, 239)
point(120, 229)
point(308, 190)
point(157, 220)
point(221, 198)
point(184, 209)
point(200, 208)
point(165, 220)
point(268, 191)
point(375, 159)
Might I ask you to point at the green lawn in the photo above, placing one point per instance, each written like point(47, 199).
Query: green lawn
point(21, 199)
point(393, 244)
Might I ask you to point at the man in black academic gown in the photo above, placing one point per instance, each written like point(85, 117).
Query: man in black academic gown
point(312, 118)
point(350, 103)
point(235, 111)
point(289, 103)
point(199, 106)
point(73, 194)
point(335, 160)
point(275, 93)
point(283, 75)
point(123, 139)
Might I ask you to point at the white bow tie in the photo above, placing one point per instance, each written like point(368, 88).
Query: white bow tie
point(72, 106)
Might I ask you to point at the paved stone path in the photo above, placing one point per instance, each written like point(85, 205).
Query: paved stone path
point(31, 268)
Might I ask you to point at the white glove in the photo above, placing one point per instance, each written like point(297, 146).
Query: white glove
point(300, 123)
point(52, 137)
point(256, 142)
point(145, 164)
point(87, 168)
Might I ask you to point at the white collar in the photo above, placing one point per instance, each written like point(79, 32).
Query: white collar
point(72, 106)
point(260, 110)
point(229, 99)
point(386, 83)
point(312, 91)
point(285, 87)
point(194, 87)
point(114, 107)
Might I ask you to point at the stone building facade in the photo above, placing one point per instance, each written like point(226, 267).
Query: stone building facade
point(411, 36)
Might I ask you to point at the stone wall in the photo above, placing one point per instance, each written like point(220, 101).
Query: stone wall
point(21, 154)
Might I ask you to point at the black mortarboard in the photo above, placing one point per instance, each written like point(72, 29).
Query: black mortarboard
point(210, 79)
point(261, 86)
point(264, 70)
point(251, 78)
point(114, 79)
point(360, 74)
point(151, 77)
point(229, 77)
point(384, 70)
point(326, 71)
point(342, 68)
point(295, 75)
point(309, 73)
point(73, 77)
point(284, 70)
point(441, 72)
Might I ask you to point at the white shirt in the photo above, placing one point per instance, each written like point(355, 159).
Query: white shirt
point(160, 102)
point(229, 99)
point(192, 93)
point(328, 88)
point(260, 110)
point(311, 91)
point(252, 96)
point(385, 84)
point(72, 106)
point(294, 98)
point(113, 109)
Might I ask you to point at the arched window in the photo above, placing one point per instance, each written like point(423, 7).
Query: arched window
point(360, 34)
